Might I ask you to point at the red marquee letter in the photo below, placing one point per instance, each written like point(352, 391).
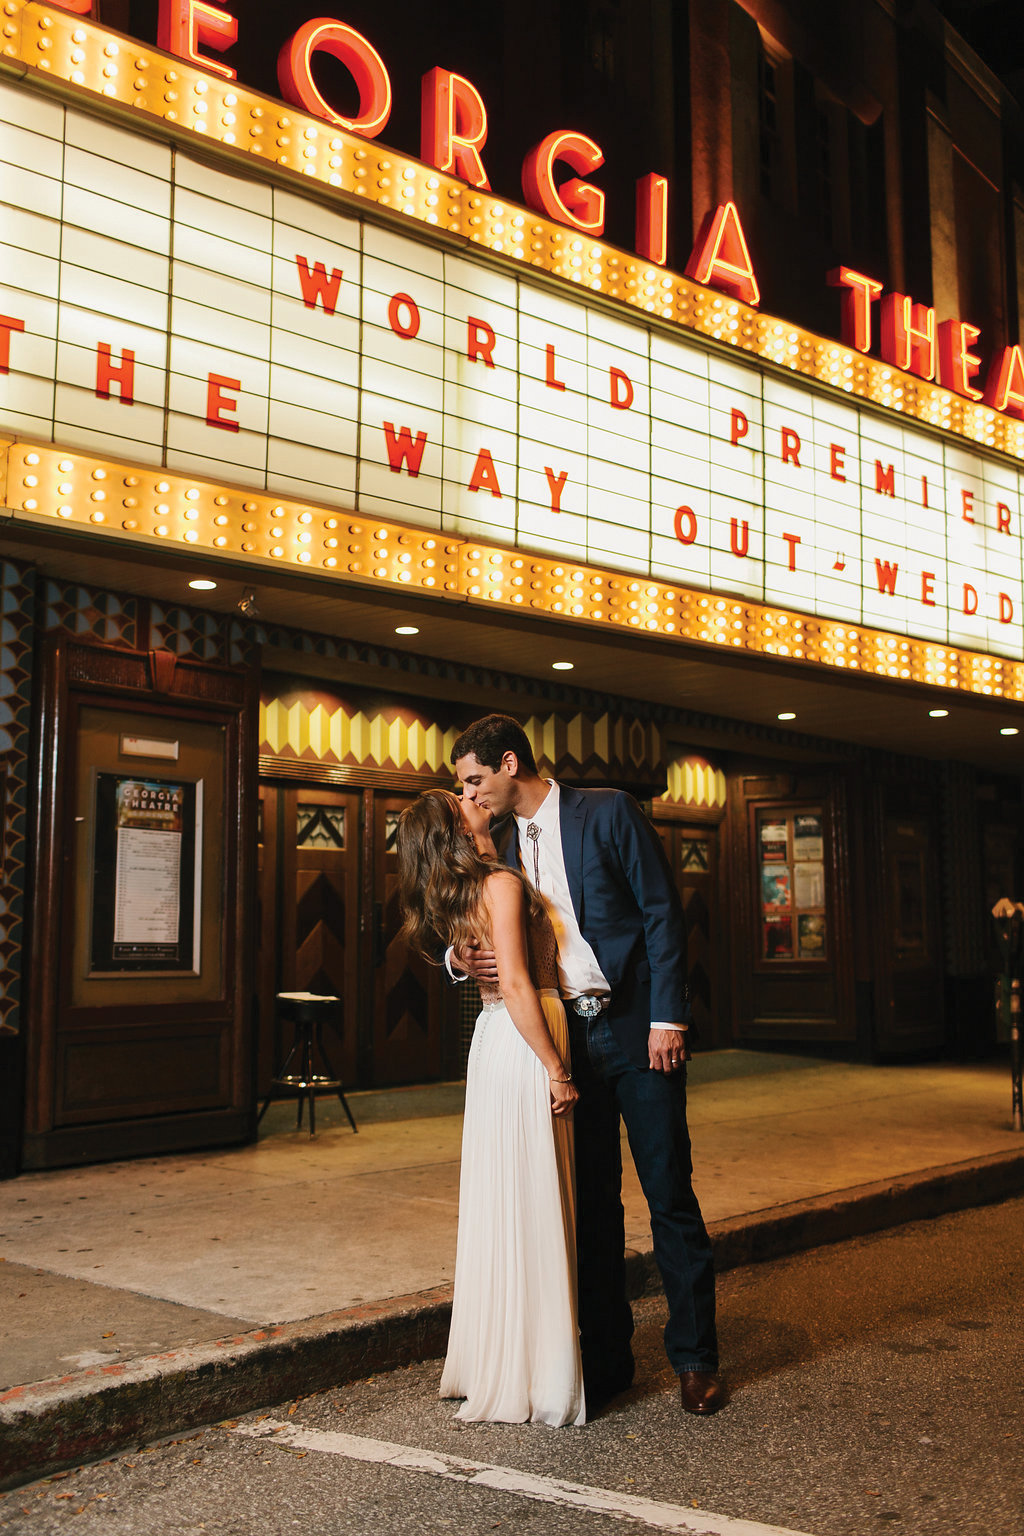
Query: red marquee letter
point(927, 588)
point(885, 479)
point(549, 368)
point(1003, 516)
point(792, 539)
point(480, 341)
point(409, 327)
point(886, 574)
point(360, 58)
point(123, 374)
point(620, 389)
point(453, 126)
point(217, 401)
point(1005, 608)
point(556, 485)
point(7, 324)
point(315, 284)
point(967, 506)
point(184, 24)
point(685, 525)
point(739, 426)
point(485, 476)
point(790, 447)
point(403, 450)
point(740, 543)
point(837, 459)
point(970, 598)
point(576, 203)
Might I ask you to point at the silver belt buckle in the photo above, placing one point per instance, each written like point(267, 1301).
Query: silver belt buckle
point(587, 1007)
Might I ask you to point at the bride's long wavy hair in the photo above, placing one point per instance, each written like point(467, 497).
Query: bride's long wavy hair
point(441, 877)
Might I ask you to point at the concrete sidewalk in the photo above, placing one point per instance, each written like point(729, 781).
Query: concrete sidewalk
point(146, 1297)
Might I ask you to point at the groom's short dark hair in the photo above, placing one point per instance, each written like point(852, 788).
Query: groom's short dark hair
point(490, 738)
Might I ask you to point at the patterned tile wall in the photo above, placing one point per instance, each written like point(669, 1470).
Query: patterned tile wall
point(17, 603)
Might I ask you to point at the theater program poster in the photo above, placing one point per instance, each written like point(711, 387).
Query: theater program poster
point(146, 901)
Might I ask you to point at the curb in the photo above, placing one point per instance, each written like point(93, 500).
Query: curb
point(67, 1420)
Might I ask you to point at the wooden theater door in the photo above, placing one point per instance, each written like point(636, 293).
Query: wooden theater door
point(329, 923)
point(309, 920)
point(693, 855)
point(408, 1005)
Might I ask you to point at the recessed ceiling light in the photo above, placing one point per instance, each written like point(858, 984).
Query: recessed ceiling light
point(1008, 730)
point(407, 629)
point(202, 584)
point(562, 666)
point(787, 714)
point(938, 714)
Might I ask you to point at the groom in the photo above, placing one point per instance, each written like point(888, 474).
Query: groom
point(599, 865)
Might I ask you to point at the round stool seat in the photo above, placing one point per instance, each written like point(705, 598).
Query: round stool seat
point(306, 1012)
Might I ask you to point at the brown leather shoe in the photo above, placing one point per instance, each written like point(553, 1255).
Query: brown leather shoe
point(701, 1392)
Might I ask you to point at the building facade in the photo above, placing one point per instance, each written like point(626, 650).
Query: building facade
point(650, 374)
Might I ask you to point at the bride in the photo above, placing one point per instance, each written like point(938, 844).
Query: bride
point(513, 1350)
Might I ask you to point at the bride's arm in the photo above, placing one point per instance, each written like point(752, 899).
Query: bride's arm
point(506, 910)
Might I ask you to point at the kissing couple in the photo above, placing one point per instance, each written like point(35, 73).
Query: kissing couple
point(561, 904)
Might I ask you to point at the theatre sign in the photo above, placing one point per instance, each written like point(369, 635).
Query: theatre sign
point(251, 364)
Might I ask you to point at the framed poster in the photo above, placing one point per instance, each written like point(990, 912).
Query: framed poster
point(146, 885)
point(792, 897)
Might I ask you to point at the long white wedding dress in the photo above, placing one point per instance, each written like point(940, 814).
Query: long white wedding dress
point(513, 1350)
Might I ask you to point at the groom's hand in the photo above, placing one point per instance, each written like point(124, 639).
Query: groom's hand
point(668, 1050)
point(477, 962)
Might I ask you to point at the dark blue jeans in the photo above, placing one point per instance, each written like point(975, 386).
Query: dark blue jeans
point(653, 1106)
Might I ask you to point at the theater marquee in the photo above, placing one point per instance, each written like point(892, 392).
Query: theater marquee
point(162, 312)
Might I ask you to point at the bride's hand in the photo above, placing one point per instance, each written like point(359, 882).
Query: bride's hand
point(563, 1096)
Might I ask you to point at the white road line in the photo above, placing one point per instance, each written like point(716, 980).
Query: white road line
point(483, 1474)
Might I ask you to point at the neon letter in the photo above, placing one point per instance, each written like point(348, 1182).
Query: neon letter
point(576, 203)
point(720, 258)
point(453, 126)
point(184, 24)
point(908, 335)
point(360, 58)
point(856, 320)
point(957, 363)
point(652, 218)
point(1005, 389)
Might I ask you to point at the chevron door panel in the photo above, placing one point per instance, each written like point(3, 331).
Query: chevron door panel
point(318, 895)
point(408, 1008)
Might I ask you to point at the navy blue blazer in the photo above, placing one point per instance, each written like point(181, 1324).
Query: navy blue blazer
point(626, 904)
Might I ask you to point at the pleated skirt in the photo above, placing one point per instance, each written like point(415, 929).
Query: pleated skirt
point(513, 1350)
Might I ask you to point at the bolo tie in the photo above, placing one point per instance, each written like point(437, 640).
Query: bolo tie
point(533, 833)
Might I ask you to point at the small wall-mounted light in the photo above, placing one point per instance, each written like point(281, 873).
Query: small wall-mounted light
point(247, 604)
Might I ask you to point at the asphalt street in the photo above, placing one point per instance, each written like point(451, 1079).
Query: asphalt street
point(876, 1384)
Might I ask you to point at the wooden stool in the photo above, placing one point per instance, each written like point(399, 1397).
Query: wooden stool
point(297, 1076)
